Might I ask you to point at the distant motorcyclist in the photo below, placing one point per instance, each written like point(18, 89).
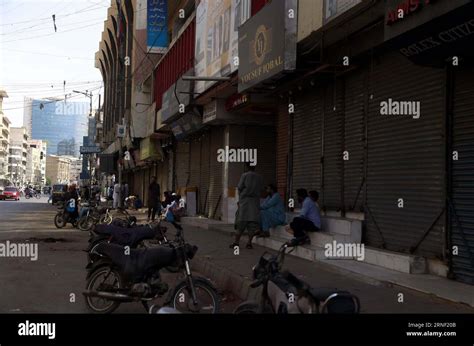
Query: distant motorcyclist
point(71, 199)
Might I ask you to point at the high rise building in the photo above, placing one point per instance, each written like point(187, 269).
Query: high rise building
point(18, 155)
point(4, 142)
point(61, 124)
point(36, 164)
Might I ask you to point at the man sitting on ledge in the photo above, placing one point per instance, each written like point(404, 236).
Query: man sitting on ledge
point(272, 211)
point(309, 219)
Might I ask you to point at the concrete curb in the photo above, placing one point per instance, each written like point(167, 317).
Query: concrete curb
point(379, 277)
point(226, 280)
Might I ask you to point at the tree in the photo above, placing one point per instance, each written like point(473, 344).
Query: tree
point(48, 181)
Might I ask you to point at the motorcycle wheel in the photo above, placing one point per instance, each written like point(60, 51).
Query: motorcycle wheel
point(38, 196)
point(97, 277)
point(27, 196)
point(208, 300)
point(85, 223)
point(59, 220)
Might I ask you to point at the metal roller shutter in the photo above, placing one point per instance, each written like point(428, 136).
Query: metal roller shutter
point(406, 158)
point(282, 150)
point(307, 121)
point(215, 176)
point(138, 184)
point(354, 115)
point(332, 147)
point(205, 165)
point(462, 178)
point(162, 174)
point(181, 164)
point(194, 161)
point(146, 182)
point(262, 138)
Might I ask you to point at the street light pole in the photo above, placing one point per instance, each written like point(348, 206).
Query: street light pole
point(89, 95)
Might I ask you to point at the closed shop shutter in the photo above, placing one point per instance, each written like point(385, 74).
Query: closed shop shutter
point(262, 138)
point(332, 147)
point(355, 96)
point(194, 162)
point(406, 158)
point(205, 164)
point(145, 182)
point(138, 184)
point(307, 121)
point(282, 150)
point(181, 165)
point(162, 174)
point(462, 178)
point(215, 176)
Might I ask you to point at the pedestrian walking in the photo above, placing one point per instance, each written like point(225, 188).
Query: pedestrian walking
point(110, 192)
point(248, 214)
point(116, 196)
point(154, 205)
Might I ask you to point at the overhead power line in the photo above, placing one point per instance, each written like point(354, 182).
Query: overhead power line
point(54, 33)
point(48, 54)
point(48, 18)
point(68, 97)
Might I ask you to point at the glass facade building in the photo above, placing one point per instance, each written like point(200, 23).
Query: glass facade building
point(60, 124)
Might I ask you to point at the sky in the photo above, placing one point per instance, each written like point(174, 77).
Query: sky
point(35, 60)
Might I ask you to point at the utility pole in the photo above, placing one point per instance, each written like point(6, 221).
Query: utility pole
point(89, 95)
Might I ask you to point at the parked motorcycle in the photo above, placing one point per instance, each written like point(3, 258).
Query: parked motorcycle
point(132, 237)
point(148, 235)
point(284, 293)
point(93, 216)
point(129, 275)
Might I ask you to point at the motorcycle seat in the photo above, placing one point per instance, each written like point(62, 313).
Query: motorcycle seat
point(138, 262)
point(126, 236)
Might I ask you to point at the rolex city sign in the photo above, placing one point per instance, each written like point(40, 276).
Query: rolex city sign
point(267, 43)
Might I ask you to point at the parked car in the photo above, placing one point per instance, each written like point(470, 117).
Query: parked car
point(10, 192)
point(58, 192)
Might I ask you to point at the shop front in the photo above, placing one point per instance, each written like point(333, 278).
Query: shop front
point(441, 34)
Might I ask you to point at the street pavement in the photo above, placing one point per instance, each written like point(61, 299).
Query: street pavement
point(47, 285)
point(54, 283)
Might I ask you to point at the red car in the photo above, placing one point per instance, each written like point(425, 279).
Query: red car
point(10, 193)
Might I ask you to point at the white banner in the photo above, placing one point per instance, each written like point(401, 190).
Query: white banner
point(216, 39)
